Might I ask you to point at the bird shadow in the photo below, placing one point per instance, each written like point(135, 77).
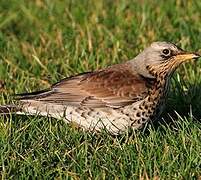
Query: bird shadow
point(180, 104)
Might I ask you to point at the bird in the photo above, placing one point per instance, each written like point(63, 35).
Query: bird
point(116, 98)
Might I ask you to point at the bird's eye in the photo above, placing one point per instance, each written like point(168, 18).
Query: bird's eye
point(166, 52)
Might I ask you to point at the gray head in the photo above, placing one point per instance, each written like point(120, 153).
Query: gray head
point(160, 56)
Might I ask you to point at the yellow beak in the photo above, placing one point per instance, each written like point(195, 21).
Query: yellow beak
point(187, 56)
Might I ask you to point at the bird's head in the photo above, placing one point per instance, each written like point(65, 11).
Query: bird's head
point(161, 57)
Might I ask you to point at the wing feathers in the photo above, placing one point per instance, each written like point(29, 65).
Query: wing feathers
point(116, 86)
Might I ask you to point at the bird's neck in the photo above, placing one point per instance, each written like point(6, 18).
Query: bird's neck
point(160, 86)
point(162, 76)
point(157, 95)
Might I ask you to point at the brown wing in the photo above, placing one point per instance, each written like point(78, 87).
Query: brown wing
point(116, 86)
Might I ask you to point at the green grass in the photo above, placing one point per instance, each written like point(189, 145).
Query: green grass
point(44, 41)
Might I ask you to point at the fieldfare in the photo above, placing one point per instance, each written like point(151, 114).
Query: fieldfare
point(122, 96)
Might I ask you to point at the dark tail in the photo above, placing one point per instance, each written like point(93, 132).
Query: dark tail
point(33, 95)
point(7, 109)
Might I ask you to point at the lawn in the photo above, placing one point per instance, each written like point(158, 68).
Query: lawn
point(43, 41)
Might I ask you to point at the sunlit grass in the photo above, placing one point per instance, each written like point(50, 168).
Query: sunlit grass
point(44, 41)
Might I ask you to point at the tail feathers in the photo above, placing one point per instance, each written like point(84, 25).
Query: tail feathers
point(7, 109)
point(33, 95)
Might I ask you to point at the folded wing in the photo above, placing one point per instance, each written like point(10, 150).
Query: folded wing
point(116, 87)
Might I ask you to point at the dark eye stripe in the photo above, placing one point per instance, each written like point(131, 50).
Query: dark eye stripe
point(165, 57)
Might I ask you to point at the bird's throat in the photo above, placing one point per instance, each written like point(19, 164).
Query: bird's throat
point(157, 94)
point(159, 88)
